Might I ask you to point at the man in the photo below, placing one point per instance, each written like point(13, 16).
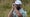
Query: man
point(16, 11)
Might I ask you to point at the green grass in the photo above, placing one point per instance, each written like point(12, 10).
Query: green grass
point(4, 10)
point(4, 13)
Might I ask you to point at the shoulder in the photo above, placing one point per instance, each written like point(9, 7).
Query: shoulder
point(23, 10)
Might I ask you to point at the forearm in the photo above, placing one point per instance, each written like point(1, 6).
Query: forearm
point(18, 13)
point(10, 13)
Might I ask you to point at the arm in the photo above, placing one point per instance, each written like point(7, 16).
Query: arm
point(25, 14)
point(18, 13)
point(10, 14)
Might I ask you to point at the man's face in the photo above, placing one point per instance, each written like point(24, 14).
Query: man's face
point(18, 6)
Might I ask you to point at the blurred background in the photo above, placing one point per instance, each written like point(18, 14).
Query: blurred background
point(6, 5)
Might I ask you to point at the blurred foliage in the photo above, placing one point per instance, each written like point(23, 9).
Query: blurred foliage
point(4, 7)
point(26, 1)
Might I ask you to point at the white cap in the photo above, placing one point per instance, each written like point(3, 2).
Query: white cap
point(18, 2)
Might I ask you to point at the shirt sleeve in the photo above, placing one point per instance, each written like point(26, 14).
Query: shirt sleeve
point(25, 14)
